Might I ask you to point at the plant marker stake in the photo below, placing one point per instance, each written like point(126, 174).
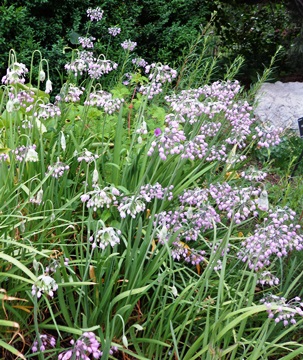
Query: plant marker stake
point(300, 124)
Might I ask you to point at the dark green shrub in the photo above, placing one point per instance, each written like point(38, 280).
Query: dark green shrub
point(254, 30)
point(162, 29)
point(15, 33)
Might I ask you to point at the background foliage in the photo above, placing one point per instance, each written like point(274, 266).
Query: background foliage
point(163, 30)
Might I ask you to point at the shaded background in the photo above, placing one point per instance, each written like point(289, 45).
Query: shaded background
point(163, 30)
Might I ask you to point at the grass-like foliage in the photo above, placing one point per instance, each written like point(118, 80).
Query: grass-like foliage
point(135, 222)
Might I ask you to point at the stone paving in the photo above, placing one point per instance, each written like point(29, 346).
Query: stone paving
point(280, 103)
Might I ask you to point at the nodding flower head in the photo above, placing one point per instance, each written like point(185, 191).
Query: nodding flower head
point(15, 74)
point(45, 284)
point(48, 86)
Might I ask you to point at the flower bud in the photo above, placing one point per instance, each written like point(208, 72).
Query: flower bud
point(42, 75)
point(48, 86)
point(63, 141)
point(263, 201)
point(95, 176)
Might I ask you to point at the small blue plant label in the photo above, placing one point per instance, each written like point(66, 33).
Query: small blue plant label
point(300, 124)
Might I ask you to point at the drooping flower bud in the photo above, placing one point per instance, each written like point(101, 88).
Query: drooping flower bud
point(63, 141)
point(263, 201)
point(95, 176)
point(39, 197)
point(42, 75)
point(48, 86)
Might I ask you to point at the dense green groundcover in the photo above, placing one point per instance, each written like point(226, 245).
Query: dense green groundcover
point(144, 212)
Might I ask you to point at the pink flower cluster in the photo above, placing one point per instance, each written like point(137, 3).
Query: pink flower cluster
point(58, 169)
point(223, 119)
point(86, 63)
point(158, 75)
point(24, 99)
point(86, 42)
point(114, 31)
point(105, 100)
point(129, 45)
point(275, 239)
point(107, 236)
point(87, 345)
point(46, 342)
point(15, 74)
point(95, 14)
point(47, 111)
point(281, 310)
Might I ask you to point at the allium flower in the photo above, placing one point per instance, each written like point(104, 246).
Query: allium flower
point(128, 78)
point(268, 135)
point(51, 268)
point(181, 251)
point(149, 192)
point(21, 153)
point(280, 309)
point(253, 174)
point(139, 62)
point(84, 198)
point(114, 31)
point(88, 157)
point(47, 111)
point(58, 169)
point(107, 236)
point(45, 284)
point(15, 74)
point(3, 157)
point(95, 14)
point(73, 93)
point(160, 73)
point(239, 203)
point(46, 342)
point(99, 198)
point(86, 42)
point(95, 68)
point(78, 67)
point(131, 206)
point(142, 129)
point(26, 99)
point(12, 105)
point(129, 45)
point(38, 198)
point(100, 67)
point(104, 100)
point(31, 155)
point(151, 89)
point(87, 345)
point(275, 239)
point(267, 278)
